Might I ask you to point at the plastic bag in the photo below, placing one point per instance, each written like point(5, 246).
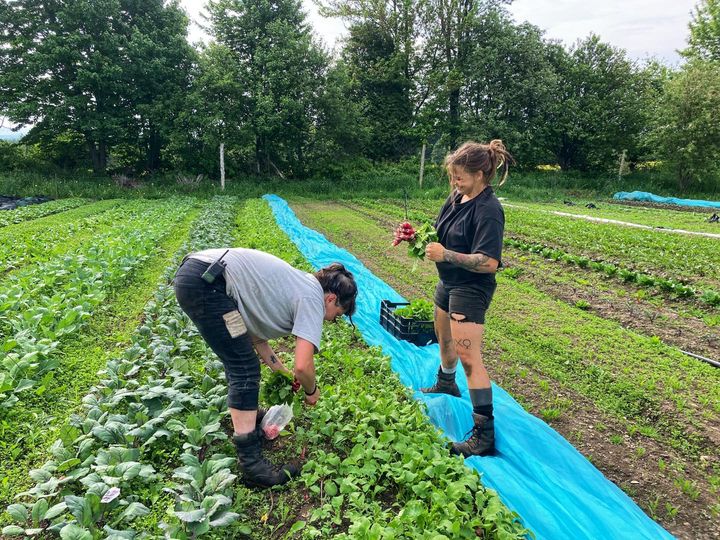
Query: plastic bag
point(275, 420)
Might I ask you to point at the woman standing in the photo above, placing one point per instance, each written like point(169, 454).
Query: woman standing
point(467, 255)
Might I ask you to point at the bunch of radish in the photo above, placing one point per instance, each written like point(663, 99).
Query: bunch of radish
point(417, 239)
point(404, 232)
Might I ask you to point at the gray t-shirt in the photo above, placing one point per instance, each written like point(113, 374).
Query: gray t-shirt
point(273, 298)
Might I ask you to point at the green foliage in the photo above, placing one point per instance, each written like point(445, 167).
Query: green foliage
point(686, 131)
point(424, 235)
point(107, 71)
point(418, 309)
point(599, 110)
point(704, 41)
point(277, 67)
point(277, 389)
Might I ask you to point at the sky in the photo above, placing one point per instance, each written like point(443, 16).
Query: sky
point(644, 28)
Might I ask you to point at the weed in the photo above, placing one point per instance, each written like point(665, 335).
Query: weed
point(688, 487)
point(582, 304)
point(550, 414)
point(640, 451)
point(616, 439)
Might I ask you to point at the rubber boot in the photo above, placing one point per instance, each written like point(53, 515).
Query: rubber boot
point(445, 385)
point(256, 470)
point(481, 441)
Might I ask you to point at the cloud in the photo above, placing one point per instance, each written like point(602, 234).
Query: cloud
point(641, 27)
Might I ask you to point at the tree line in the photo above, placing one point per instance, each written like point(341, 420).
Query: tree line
point(114, 85)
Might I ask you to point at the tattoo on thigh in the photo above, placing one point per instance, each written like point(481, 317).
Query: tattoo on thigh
point(273, 359)
point(464, 343)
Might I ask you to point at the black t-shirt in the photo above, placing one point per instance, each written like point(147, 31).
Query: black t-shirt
point(475, 226)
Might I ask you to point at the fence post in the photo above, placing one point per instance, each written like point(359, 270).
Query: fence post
point(222, 166)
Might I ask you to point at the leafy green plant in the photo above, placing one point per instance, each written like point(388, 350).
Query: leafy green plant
point(418, 309)
point(582, 304)
point(278, 388)
point(424, 235)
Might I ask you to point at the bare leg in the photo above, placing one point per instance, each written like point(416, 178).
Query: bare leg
point(243, 421)
point(448, 354)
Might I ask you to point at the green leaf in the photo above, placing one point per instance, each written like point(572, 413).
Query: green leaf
point(39, 509)
point(134, 510)
point(72, 531)
point(192, 516)
point(297, 526)
point(55, 511)
point(13, 530)
point(224, 519)
point(19, 512)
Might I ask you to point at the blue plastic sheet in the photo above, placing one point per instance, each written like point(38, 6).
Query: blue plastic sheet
point(558, 493)
point(649, 197)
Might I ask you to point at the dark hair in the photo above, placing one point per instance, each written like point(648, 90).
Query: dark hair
point(337, 280)
point(475, 157)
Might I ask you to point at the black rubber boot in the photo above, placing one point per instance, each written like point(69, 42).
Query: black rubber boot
point(261, 412)
point(256, 470)
point(481, 441)
point(445, 385)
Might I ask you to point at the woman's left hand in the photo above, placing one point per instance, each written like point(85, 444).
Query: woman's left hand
point(435, 252)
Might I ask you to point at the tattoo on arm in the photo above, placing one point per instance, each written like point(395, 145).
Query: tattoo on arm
point(474, 262)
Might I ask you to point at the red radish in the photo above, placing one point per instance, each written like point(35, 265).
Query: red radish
point(404, 232)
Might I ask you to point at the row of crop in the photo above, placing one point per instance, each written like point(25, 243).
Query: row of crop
point(667, 285)
point(154, 409)
point(55, 299)
point(377, 468)
point(44, 239)
point(623, 271)
point(34, 211)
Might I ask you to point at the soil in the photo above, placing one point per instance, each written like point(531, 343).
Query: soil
point(649, 472)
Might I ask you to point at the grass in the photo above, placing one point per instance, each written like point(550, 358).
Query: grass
point(360, 178)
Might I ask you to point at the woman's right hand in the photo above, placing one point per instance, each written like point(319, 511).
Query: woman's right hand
point(312, 399)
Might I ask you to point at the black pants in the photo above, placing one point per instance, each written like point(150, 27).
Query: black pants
point(205, 304)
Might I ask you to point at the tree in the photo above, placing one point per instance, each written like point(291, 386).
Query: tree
point(280, 71)
point(704, 40)
point(379, 82)
point(96, 68)
point(510, 87)
point(383, 62)
point(687, 133)
point(599, 112)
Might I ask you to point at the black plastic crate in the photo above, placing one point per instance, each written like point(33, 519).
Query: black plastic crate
point(417, 332)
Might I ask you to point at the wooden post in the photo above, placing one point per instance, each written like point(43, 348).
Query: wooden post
point(422, 164)
point(222, 166)
point(621, 168)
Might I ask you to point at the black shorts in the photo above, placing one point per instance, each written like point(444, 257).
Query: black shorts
point(208, 305)
point(469, 300)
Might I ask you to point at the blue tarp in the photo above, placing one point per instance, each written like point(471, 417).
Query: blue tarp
point(558, 493)
point(649, 197)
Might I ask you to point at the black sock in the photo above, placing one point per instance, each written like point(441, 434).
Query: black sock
point(485, 410)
